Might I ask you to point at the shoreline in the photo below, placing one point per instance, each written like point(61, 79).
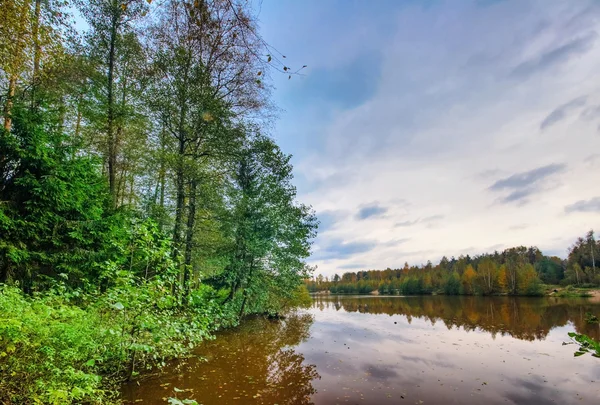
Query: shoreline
point(558, 292)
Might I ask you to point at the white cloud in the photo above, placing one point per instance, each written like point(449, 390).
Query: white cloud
point(450, 118)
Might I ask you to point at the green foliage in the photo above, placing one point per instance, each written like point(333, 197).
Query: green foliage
point(271, 232)
point(591, 318)
point(586, 345)
point(175, 401)
point(452, 285)
point(571, 292)
point(132, 181)
point(56, 352)
point(515, 271)
point(550, 271)
point(52, 212)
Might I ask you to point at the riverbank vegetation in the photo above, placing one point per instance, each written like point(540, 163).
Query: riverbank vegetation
point(515, 271)
point(142, 204)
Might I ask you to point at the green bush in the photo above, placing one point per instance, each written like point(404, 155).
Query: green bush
point(53, 351)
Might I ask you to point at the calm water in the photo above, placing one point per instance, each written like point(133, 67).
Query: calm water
point(394, 350)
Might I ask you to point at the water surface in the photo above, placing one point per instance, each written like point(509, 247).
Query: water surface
point(393, 350)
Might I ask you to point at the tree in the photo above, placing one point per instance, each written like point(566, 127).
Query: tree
point(488, 273)
point(502, 280)
point(53, 215)
point(272, 233)
point(529, 282)
point(205, 66)
point(468, 280)
point(109, 21)
point(582, 259)
point(15, 32)
point(452, 286)
point(550, 270)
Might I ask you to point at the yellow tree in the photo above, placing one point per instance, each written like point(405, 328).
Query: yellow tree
point(502, 281)
point(427, 285)
point(528, 281)
point(468, 280)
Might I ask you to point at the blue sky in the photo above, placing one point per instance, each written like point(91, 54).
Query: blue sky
point(429, 128)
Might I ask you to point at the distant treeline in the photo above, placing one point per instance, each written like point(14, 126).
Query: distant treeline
point(515, 271)
point(521, 319)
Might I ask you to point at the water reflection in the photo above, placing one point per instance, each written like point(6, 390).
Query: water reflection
point(526, 318)
point(395, 350)
point(450, 350)
point(254, 364)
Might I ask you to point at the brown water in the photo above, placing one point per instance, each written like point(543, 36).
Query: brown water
point(394, 350)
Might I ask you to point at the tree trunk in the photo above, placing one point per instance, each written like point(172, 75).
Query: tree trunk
point(12, 85)
point(243, 305)
point(162, 171)
point(37, 50)
point(3, 273)
point(179, 184)
point(12, 81)
point(112, 147)
point(189, 238)
point(79, 117)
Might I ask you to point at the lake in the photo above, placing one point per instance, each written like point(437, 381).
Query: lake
point(393, 350)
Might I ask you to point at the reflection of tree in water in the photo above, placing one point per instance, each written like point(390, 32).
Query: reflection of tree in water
point(286, 370)
point(255, 363)
point(520, 317)
point(259, 358)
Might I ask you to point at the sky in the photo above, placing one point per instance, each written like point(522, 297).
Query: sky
point(428, 128)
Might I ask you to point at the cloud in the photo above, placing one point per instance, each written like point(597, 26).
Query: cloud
point(555, 57)
point(339, 249)
point(452, 105)
point(525, 184)
point(426, 220)
point(346, 86)
point(371, 210)
point(328, 219)
point(349, 266)
point(591, 205)
point(561, 112)
point(526, 179)
point(395, 242)
point(591, 113)
point(406, 223)
point(592, 159)
point(379, 373)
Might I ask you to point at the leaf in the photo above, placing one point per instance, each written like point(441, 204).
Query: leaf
point(268, 58)
point(579, 353)
point(118, 306)
point(90, 363)
point(259, 73)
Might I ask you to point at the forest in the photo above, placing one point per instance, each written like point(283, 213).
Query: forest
point(143, 202)
point(515, 271)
